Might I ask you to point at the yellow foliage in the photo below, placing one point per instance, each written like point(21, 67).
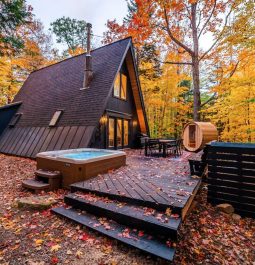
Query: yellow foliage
point(165, 105)
point(234, 110)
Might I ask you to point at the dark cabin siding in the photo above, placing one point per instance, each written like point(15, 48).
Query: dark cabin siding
point(119, 108)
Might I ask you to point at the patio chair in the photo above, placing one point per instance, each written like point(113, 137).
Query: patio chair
point(142, 142)
point(175, 148)
point(152, 146)
point(179, 146)
point(198, 167)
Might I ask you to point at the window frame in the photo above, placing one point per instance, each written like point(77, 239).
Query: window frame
point(56, 119)
point(15, 119)
point(120, 74)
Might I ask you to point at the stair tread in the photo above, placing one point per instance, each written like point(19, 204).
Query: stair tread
point(125, 198)
point(144, 242)
point(148, 215)
point(34, 184)
point(47, 173)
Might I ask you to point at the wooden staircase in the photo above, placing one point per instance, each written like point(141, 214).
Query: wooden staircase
point(147, 229)
point(44, 180)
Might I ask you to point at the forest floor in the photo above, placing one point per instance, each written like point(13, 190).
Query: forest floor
point(207, 236)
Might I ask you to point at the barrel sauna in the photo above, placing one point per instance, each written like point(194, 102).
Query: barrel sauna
point(197, 134)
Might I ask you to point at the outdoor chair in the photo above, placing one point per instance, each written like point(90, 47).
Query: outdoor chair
point(142, 143)
point(172, 148)
point(179, 146)
point(152, 146)
point(197, 167)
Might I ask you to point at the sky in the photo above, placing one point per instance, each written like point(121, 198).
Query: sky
point(97, 12)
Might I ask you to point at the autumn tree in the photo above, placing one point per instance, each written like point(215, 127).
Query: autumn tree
point(183, 24)
point(72, 33)
point(13, 14)
point(234, 108)
point(14, 68)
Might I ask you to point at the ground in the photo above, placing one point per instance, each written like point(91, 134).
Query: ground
point(39, 237)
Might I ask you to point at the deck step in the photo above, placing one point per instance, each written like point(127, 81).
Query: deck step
point(146, 203)
point(47, 174)
point(35, 184)
point(154, 246)
point(139, 217)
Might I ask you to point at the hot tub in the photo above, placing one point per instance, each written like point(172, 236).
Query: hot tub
point(80, 164)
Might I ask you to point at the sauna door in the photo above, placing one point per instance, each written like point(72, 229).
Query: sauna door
point(118, 133)
point(192, 135)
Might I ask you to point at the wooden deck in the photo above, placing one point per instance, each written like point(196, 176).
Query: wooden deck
point(153, 182)
point(114, 203)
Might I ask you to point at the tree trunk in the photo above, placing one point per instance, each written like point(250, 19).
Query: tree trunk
point(195, 65)
point(196, 89)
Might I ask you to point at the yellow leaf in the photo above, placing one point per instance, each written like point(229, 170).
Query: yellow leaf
point(168, 211)
point(38, 242)
point(55, 248)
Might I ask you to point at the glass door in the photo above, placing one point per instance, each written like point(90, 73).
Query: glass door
point(111, 133)
point(125, 133)
point(118, 133)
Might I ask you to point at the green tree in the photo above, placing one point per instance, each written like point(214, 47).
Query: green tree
point(71, 32)
point(13, 14)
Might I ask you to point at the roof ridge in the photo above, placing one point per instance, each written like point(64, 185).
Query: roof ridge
point(81, 54)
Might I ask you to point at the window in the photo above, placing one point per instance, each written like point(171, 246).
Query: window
point(123, 91)
point(15, 119)
point(55, 118)
point(117, 86)
point(111, 132)
point(125, 133)
point(120, 86)
point(119, 132)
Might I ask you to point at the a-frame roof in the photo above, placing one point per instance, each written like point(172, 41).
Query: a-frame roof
point(57, 87)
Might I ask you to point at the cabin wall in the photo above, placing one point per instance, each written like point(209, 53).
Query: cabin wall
point(118, 108)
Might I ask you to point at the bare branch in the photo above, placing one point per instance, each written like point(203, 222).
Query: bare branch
point(173, 37)
point(208, 20)
point(199, 18)
point(234, 69)
point(220, 35)
point(178, 63)
point(209, 100)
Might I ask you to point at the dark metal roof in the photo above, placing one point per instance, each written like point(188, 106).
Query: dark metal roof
point(11, 105)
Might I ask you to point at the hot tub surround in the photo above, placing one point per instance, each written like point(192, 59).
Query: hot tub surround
point(75, 165)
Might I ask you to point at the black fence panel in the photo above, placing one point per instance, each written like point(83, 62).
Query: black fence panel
point(231, 176)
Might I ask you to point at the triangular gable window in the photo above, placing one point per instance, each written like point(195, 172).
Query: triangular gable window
point(15, 119)
point(55, 118)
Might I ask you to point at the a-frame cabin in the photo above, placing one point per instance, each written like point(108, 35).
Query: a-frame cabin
point(52, 112)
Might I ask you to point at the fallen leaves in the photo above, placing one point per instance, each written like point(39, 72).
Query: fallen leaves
point(54, 260)
point(38, 242)
point(168, 212)
point(78, 254)
point(207, 237)
point(55, 248)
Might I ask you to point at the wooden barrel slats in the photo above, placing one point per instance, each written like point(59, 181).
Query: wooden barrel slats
point(197, 134)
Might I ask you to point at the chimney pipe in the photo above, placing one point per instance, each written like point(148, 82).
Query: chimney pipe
point(88, 61)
